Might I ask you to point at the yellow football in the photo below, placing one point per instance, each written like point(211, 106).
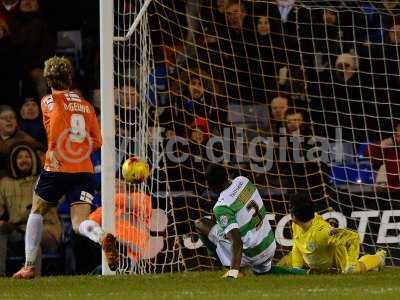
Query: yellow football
point(135, 170)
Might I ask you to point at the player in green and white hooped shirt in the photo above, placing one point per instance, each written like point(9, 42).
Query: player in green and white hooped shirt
point(242, 234)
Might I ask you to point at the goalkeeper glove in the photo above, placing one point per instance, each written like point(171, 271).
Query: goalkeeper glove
point(232, 274)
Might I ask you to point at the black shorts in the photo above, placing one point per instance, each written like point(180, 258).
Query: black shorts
point(51, 186)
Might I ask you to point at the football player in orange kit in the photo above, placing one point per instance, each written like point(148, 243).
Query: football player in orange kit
point(133, 213)
point(73, 134)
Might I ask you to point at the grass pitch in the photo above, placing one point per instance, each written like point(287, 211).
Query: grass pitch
point(207, 285)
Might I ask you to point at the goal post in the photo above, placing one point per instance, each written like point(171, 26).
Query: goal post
point(107, 119)
point(298, 96)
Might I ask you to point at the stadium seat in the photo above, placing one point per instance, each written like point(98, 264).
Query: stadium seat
point(352, 173)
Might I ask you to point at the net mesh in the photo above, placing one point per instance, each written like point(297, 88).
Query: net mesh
point(298, 96)
point(143, 214)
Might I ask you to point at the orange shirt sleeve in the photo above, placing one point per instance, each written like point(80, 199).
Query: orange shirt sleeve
point(45, 112)
point(54, 120)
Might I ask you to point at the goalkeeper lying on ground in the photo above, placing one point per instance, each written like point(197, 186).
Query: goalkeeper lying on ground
point(322, 248)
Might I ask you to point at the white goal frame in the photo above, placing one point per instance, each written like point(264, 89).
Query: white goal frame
point(107, 119)
point(107, 40)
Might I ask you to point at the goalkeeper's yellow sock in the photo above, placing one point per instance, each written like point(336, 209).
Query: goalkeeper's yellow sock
point(285, 261)
point(371, 262)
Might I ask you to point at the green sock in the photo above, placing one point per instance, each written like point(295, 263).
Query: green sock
point(287, 271)
point(211, 248)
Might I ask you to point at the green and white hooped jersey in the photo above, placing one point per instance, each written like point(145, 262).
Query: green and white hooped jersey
point(240, 206)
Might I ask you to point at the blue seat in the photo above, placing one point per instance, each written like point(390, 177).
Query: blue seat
point(361, 150)
point(353, 173)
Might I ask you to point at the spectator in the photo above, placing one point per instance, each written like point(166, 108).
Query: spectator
point(342, 99)
point(379, 65)
point(374, 23)
point(295, 125)
point(215, 10)
point(126, 97)
point(290, 32)
point(286, 19)
point(279, 107)
point(164, 71)
point(263, 26)
point(387, 152)
point(302, 174)
point(199, 131)
point(173, 18)
point(267, 68)
point(196, 95)
point(274, 176)
point(9, 9)
point(389, 66)
point(330, 17)
point(32, 122)
point(392, 54)
point(10, 134)
point(207, 54)
point(236, 14)
point(394, 34)
point(236, 52)
point(198, 138)
point(292, 82)
point(8, 75)
point(327, 34)
point(372, 20)
point(34, 43)
point(277, 123)
point(15, 203)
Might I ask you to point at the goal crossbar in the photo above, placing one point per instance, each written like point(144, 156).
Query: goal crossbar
point(134, 24)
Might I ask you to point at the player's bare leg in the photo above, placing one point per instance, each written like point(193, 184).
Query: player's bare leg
point(33, 237)
point(81, 225)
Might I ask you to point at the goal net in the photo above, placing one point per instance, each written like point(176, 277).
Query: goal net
point(298, 96)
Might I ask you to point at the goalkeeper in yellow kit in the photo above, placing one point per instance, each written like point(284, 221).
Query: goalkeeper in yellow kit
point(322, 248)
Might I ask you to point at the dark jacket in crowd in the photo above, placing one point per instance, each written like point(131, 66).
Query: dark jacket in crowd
point(35, 129)
point(33, 41)
point(8, 73)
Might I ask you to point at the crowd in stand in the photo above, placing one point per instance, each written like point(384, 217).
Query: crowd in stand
point(28, 36)
point(334, 68)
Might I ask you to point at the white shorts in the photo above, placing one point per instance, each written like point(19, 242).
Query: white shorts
point(260, 264)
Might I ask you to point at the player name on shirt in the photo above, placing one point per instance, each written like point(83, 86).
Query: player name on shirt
point(237, 189)
point(76, 107)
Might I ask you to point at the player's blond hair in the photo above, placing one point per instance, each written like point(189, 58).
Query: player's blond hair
point(58, 72)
